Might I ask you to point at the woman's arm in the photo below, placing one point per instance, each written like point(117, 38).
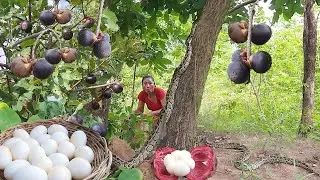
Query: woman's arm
point(140, 108)
point(157, 112)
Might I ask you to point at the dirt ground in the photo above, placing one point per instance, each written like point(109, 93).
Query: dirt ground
point(261, 145)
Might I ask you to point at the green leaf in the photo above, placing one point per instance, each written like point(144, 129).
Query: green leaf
point(76, 2)
point(34, 118)
point(131, 174)
point(27, 43)
point(318, 2)
point(110, 20)
point(198, 4)
point(18, 106)
point(8, 117)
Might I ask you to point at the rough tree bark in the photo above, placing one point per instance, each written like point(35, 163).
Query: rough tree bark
point(310, 51)
point(181, 127)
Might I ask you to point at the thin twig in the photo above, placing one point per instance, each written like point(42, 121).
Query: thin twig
point(251, 9)
point(8, 83)
point(95, 87)
point(14, 16)
point(133, 83)
point(99, 16)
point(241, 5)
point(25, 39)
point(29, 9)
point(83, 13)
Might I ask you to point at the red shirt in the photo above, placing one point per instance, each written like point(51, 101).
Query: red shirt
point(160, 94)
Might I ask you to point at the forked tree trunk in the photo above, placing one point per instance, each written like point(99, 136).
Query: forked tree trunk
point(310, 51)
point(181, 126)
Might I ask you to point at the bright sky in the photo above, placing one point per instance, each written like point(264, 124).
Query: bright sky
point(62, 3)
point(266, 9)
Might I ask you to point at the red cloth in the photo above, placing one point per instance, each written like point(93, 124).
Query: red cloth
point(160, 94)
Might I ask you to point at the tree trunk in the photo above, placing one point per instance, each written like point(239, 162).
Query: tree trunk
point(310, 51)
point(181, 126)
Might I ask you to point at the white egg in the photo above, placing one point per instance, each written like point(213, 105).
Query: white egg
point(170, 167)
point(59, 173)
point(5, 157)
point(50, 146)
point(57, 128)
point(181, 168)
point(43, 138)
point(59, 137)
point(36, 153)
point(20, 133)
point(79, 138)
point(59, 159)
point(37, 131)
point(30, 172)
point(84, 152)
point(13, 167)
point(185, 154)
point(176, 154)
point(190, 162)
point(169, 158)
point(44, 163)
point(67, 148)
point(31, 142)
point(20, 150)
point(79, 168)
point(9, 142)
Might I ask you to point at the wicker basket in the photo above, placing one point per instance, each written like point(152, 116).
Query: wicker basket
point(102, 155)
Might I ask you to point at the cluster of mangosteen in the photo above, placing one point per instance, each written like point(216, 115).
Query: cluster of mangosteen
point(98, 127)
point(106, 94)
point(42, 68)
point(260, 62)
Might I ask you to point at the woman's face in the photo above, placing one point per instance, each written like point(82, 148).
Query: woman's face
point(148, 85)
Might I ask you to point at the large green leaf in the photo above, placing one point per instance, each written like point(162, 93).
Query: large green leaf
point(34, 118)
point(8, 117)
point(110, 20)
point(131, 174)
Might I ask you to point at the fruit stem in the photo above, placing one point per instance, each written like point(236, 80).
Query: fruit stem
point(99, 16)
point(251, 9)
point(251, 13)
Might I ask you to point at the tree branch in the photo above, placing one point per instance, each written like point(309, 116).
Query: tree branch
point(25, 39)
point(94, 87)
point(99, 16)
point(29, 9)
point(241, 5)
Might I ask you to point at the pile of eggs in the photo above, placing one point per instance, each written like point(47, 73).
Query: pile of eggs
point(46, 154)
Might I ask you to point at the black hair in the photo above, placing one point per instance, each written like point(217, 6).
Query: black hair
point(148, 77)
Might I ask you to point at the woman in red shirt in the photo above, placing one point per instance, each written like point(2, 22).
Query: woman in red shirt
point(152, 96)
